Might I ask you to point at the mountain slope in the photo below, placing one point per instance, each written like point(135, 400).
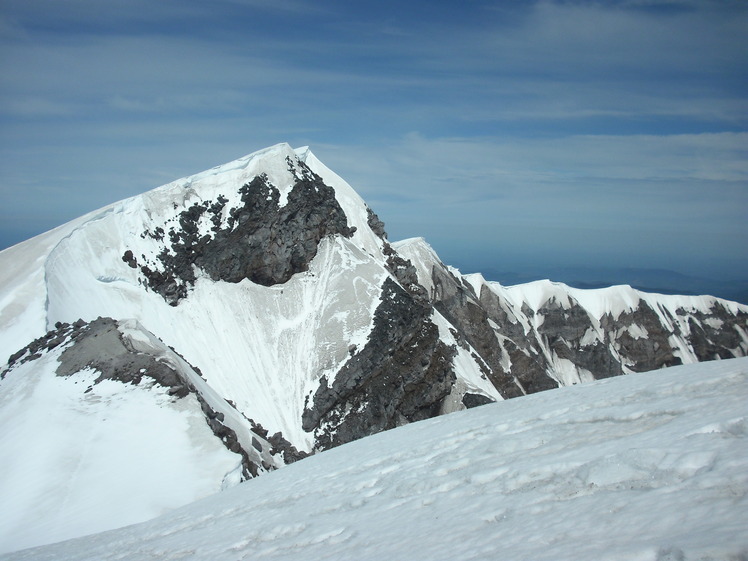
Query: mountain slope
point(135, 446)
point(122, 419)
point(266, 292)
point(544, 334)
point(645, 466)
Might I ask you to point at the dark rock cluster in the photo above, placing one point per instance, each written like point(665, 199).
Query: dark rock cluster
point(639, 339)
point(470, 400)
point(643, 353)
point(715, 335)
point(376, 225)
point(259, 240)
point(402, 374)
point(279, 445)
point(563, 330)
point(457, 302)
point(61, 334)
point(102, 348)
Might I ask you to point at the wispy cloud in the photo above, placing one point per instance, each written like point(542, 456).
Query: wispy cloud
point(591, 121)
point(591, 191)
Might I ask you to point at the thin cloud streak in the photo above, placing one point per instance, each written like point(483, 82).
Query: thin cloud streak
point(513, 127)
point(602, 191)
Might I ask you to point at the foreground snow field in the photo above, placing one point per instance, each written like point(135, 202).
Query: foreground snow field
point(642, 467)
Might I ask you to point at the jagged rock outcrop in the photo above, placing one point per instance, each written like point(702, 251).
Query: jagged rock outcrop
point(539, 337)
point(718, 334)
point(562, 329)
point(260, 240)
point(402, 375)
point(640, 338)
point(456, 301)
point(99, 345)
point(376, 225)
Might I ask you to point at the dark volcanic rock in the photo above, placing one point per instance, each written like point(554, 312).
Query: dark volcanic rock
point(270, 244)
point(129, 258)
point(376, 225)
point(102, 347)
point(522, 350)
point(569, 323)
point(715, 335)
point(641, 354)
point(99, 345)
point(529, 366)
point(261, 241)
point(60, 335)
point(564, 329)
point(402, 374)
point(406, 274)
point(471, 400)
point(458, 304)
point(285, 449)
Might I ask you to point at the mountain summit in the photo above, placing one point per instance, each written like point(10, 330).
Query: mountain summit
point(237, 320)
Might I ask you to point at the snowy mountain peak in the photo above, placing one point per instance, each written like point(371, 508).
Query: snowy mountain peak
point(266, 292)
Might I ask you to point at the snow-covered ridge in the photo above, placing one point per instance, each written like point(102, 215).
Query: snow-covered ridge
point(272, 333)
point(567, 335)
point(635, 467)
point(612, 300)
point(82, 456)
point(422, 255)
point(269, 286)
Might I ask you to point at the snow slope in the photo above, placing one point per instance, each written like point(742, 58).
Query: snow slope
point(81, 457)
point(641, 467)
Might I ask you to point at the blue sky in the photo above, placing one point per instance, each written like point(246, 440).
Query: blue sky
point(508, 134)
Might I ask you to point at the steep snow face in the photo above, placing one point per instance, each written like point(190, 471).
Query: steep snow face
point(23, 288)
point(644, 466)
point(264, 348)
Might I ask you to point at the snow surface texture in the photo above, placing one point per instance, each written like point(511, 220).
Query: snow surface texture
point(642, 467)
